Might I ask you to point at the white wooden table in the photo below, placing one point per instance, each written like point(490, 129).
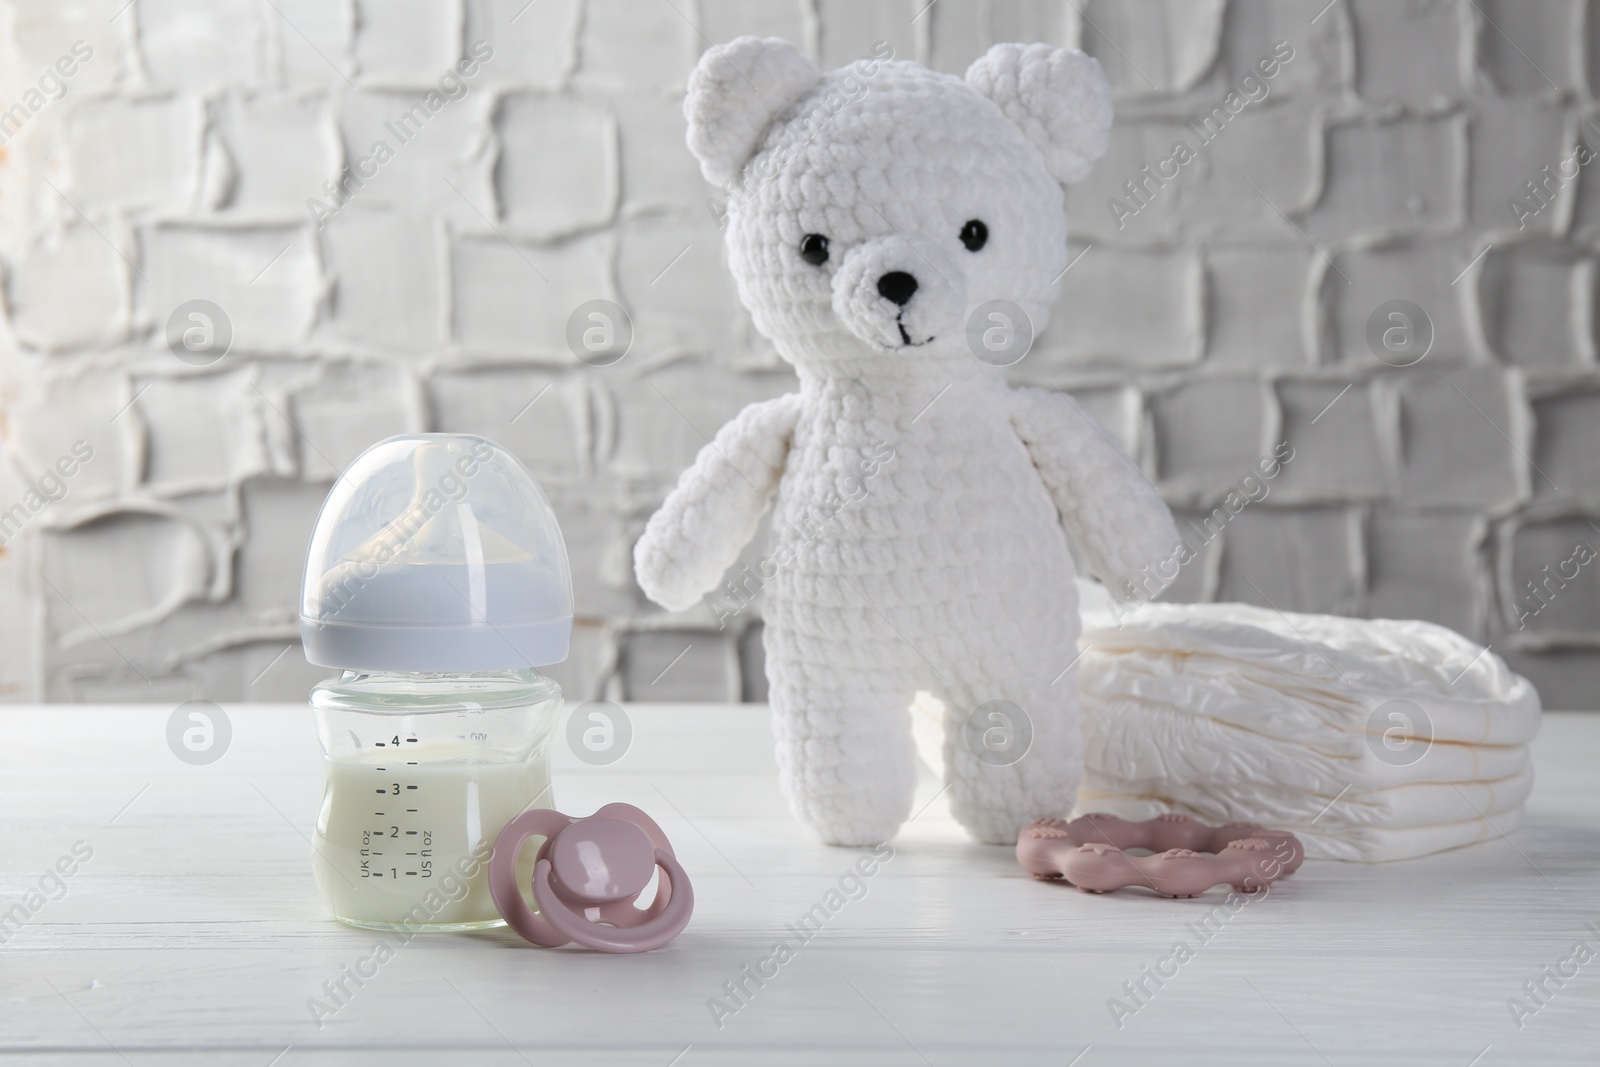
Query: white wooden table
point(195, 935)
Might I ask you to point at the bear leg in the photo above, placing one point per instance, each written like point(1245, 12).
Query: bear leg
point(845, 758)
point(1012, 753)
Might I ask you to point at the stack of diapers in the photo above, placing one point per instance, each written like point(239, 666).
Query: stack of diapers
point(1368, 739)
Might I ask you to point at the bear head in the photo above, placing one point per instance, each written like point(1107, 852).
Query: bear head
point(873, 209)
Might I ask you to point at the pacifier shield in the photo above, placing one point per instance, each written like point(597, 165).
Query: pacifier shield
point(601, 860)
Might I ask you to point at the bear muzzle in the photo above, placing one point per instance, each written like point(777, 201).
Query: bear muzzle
point(894, 294)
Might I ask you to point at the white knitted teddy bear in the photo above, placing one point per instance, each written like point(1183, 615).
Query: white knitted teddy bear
point(872, 210)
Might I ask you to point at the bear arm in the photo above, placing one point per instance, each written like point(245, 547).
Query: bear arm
point(713, 511)
point(1109, 508)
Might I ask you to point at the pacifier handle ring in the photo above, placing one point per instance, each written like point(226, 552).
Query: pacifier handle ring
point(651, 934)
point(503, 874)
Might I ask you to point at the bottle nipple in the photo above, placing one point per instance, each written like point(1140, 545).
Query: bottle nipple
point(439, 524)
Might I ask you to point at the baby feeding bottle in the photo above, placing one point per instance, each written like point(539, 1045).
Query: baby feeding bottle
point(437, 582)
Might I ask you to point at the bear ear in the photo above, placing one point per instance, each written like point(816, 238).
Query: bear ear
point(1059, 96)
point(735, 92)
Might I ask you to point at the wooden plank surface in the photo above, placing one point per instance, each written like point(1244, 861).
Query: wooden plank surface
point(194, 933)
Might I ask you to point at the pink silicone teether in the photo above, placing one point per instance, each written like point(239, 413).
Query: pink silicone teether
point(1189, 857)
point(586, 877)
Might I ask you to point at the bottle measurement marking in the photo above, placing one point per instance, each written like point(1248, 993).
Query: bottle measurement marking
point(422, 858)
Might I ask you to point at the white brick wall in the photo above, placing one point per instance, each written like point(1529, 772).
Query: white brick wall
point(1228, 313)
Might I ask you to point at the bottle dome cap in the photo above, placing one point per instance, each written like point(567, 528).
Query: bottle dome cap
point(436, 553)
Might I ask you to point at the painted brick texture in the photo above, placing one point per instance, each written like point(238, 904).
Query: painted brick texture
point(1446, 460)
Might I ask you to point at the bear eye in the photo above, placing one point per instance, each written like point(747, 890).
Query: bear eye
point(814, 249)
point(974, 234)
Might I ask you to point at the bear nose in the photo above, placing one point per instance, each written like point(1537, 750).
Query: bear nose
point(898, 286)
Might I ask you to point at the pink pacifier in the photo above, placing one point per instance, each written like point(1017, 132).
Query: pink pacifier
point(587, 876)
